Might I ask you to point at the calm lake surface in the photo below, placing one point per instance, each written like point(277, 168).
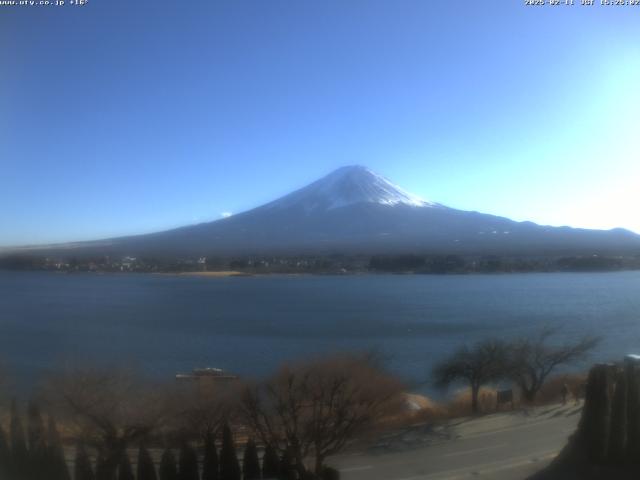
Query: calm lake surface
point(168, 324)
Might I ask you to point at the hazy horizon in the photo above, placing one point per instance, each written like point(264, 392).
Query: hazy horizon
point(121, 119)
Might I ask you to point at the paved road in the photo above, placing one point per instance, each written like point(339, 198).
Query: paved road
point(499, 447)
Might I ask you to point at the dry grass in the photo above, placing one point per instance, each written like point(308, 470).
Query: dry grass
point(551, 391)
point(424, 409)
point(458, 406)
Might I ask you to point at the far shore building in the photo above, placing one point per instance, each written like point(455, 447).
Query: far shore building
point(207, 375)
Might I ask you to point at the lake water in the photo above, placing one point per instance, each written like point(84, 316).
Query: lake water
point(249, 325)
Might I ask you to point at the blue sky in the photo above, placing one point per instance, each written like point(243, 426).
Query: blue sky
point(127, 117)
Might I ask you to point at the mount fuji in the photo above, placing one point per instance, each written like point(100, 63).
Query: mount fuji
point(353, 210)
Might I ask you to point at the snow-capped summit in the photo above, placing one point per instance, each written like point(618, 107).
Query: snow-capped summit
point(348, 186)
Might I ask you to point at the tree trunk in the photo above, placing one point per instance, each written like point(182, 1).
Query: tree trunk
point(113, 451)
point(475, 389)
point(319, 465)
point(299, 465)
point(529, 392)
point(530, 396)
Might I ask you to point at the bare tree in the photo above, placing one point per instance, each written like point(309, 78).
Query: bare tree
point(313, 410)
point(478, 365)
point(110, 409)
point(532, 359)
point(199, 411)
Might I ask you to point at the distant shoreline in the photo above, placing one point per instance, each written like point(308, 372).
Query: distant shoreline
point(404, 264)
point(219, 274)
point(236, 274)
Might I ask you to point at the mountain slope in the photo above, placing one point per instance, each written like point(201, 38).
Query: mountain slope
point(353, 210)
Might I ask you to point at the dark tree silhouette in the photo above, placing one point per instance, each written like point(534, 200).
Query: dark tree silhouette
point(83, 469)
point(482, 363)
point(125, 471)
point(104, 471)
point(19, 453)
point(270, 463)
point(168, 468)
point(5, 454)
point(36, 436)
point(250, 462)
point(56, 462)
point(210, 466)
point(146, 468)
point(534, 358)
point(286, 468)
point(188, 463)
point(229, 466)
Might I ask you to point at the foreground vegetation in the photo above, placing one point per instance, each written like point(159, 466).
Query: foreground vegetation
point(295, 420)
point(122, 427)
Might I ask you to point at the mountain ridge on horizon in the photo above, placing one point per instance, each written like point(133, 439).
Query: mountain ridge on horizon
point(354, 210)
